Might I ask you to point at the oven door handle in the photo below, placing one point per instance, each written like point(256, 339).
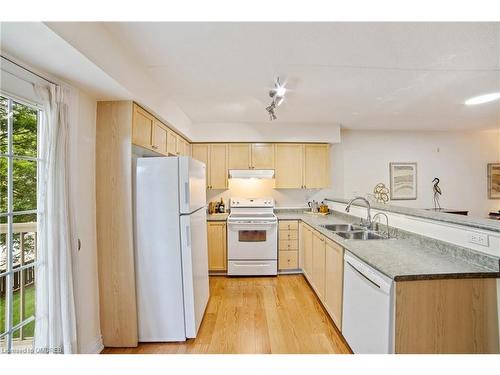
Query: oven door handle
point(252, 222)
point(235, 227)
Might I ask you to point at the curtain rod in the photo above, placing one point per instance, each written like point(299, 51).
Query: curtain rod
point(28, 70)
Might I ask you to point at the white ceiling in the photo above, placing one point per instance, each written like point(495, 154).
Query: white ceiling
point(359, 75)
point(35, 44)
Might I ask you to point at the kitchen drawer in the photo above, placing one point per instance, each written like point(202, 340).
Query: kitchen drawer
point(288, 245)
point(288, 260)
point(289, 225)
point(289, 235)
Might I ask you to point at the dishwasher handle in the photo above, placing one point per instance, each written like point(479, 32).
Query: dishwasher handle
point(374, 277)
point(363, 275)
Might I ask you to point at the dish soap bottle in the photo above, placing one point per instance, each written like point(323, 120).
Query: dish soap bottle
point(222, 208)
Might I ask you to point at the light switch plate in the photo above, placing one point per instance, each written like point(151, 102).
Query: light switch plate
point(478, 239)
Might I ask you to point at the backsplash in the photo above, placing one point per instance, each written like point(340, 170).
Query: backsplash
point(252, 188)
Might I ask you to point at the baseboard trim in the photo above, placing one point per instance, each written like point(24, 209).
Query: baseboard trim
point(95, 347)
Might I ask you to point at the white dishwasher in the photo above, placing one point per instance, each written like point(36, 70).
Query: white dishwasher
point(367, 313)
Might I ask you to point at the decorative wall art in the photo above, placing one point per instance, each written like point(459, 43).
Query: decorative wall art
point(494, 181)
point(437, 192)
point(403, 178)
point(381, 193)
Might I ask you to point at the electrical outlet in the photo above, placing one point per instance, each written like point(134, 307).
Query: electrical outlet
point(478, 238)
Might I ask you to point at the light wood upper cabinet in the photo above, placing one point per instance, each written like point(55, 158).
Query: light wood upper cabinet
point(262, 156)
point(318, 267)
point(217, 249)
point(218, 166)
point(171, 142)
point(289, 166)
point(334, 278)
point(201, 152)
point(239, 156)
point(216, 160)
point(181, 146)
point(159, 143)
point(297, 166)
point(316, 166)
point(251, 156)
point(142, 127)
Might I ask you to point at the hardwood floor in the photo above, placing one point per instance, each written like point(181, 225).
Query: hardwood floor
point(258, 315)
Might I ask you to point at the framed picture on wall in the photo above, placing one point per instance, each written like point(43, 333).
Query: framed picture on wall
point(494, 181)
point(403, 181)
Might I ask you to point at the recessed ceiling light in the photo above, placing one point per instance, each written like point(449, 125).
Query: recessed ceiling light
point(483, 98)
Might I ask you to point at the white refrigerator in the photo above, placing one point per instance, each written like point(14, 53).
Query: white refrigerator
point(171, 259)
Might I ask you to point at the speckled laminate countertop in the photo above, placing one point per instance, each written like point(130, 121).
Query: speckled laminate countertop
point(406, 259)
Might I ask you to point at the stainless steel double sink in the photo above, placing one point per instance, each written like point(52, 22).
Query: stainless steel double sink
point(354, 232)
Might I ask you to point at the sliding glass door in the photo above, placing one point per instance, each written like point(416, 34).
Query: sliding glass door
point(19, 124)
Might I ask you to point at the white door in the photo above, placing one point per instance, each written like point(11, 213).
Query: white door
point(194, 269)
point(192, 185)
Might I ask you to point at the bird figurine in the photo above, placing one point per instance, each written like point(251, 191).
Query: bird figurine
point(437, 193)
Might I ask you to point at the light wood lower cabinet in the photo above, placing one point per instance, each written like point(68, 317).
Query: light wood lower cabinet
point(334, 280)
point(446, 316)
point(323, 266)
point(288, 260)
point(288, 245)
point(307, 251)
point(318, 268)
point(217, 246)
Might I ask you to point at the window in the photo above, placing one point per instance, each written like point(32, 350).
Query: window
point(19, 123)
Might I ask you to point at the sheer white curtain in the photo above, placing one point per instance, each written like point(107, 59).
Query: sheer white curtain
point(55, 328)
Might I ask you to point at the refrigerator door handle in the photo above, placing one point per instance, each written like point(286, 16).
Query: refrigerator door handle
point(186, 192)
point(188, 236)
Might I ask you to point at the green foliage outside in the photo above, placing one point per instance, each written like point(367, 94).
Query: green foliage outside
point(24, 143)
point(29, 309)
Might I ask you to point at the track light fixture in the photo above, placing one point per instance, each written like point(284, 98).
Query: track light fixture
point(278, 96)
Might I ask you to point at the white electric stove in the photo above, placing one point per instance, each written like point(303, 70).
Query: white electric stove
point(252, 237)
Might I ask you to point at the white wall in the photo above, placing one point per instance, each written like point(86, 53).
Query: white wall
point(265, 132)
point(82, 182)
point(458, 158)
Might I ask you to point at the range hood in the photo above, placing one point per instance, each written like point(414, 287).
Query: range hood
point(251, 173)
